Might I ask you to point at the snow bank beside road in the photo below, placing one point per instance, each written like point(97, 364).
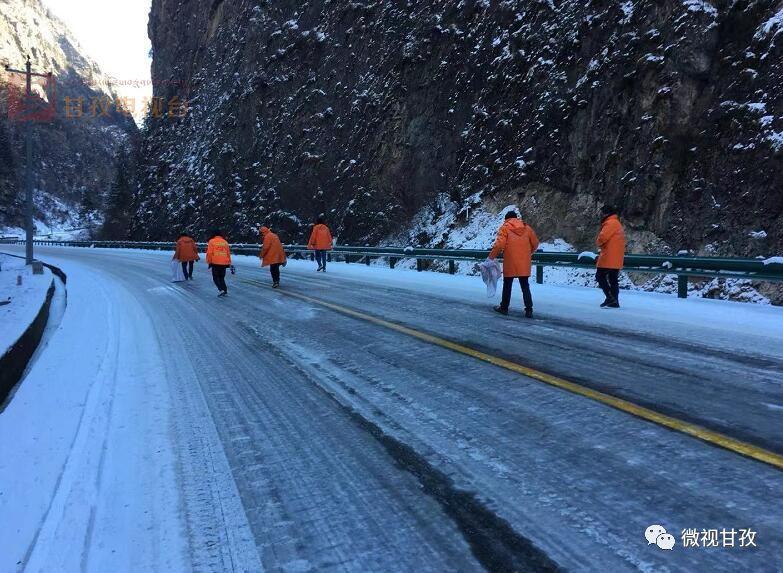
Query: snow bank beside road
point(24, 302)
point(87, 482)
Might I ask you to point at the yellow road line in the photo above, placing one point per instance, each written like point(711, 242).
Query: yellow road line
point(703, 434)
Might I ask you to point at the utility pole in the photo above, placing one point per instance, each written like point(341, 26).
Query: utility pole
point(28, 72)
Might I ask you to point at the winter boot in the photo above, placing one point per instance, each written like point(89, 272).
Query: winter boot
point(501, 310)
point(528, 313)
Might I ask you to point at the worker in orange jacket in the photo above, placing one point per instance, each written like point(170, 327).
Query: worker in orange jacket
point(611, 241)
point(219, 260)
point(517, 241)
point(272, 254)
point(186, 252)
point(320, 242)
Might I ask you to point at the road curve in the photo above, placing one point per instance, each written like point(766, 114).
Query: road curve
point(356, 448)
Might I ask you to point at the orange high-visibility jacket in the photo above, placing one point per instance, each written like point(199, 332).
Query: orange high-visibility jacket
point(517, 241)
point(218, 252)
point(320, 238)
point(272, 251)
point(186, 250)
point(611, 241)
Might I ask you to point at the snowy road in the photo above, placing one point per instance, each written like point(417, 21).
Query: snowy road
point(306, 439)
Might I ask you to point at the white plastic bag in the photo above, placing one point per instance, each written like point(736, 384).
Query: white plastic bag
point(177, 276)
point(490, 274)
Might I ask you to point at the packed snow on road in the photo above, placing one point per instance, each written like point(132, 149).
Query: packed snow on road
point(364, 419)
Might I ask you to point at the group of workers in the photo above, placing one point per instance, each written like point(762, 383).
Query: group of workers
point(516, 240)
point(272, 253)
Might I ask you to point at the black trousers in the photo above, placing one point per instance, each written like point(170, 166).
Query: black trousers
point(508, 283)
point(187, 269)
point(219, 277)
point(320, 258)
point(275, 270)
point(609, 281)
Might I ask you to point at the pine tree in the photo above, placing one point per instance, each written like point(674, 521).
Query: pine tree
point(88, 209)
point(116, 225)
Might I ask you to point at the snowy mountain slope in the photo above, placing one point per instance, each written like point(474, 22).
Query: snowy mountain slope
point(74, 156)
point(370, 111)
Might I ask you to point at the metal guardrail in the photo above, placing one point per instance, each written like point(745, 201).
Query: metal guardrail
point(684, 266)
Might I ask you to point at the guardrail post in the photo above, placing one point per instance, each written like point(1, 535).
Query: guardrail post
point(392, 262)
point(540, 274)
point(348, 259)
point(367, 260)
point(419, 265)
point(452, 267)
point(682, 286)
point(682, 280)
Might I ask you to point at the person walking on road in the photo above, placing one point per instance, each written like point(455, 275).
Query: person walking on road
point(187, 254)
point(517, 241)
point(272, 254)
point(611, 241)
point(320, 242)
point(219, 260)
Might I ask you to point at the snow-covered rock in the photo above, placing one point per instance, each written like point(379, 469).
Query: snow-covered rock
point(554, 107)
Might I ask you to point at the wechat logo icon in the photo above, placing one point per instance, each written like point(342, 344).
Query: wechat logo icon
point(657, 534)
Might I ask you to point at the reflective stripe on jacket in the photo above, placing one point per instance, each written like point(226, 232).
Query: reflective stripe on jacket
point(218, 252)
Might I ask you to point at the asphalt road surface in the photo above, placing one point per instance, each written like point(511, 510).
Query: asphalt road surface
point(356, 447)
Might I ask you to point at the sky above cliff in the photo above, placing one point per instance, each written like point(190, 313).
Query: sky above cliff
point(115, 36)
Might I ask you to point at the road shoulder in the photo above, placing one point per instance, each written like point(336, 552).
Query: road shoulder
point(89, 476)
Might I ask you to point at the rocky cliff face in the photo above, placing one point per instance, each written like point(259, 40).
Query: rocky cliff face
point(74, 157)
point(373, 111)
